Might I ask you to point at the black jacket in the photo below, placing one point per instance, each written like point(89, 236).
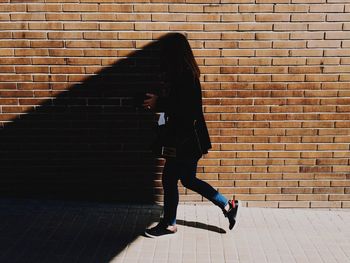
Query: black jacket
point(183, 106)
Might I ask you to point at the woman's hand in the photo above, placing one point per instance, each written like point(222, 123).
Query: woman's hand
point(150, 103)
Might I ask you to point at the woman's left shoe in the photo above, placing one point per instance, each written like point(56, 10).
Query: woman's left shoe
point(232, 213)
point(160, 229)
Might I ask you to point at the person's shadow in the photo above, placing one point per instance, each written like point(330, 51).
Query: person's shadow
point(201, 226)
point(89, 142)
point(67, 165)
point(85, 150)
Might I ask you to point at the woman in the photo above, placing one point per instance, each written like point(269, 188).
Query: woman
point(183, 106)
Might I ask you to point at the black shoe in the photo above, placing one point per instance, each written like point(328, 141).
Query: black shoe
point(232, 213)
point(160, 229)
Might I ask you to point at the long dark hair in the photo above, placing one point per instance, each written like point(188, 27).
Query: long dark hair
point(176, 56)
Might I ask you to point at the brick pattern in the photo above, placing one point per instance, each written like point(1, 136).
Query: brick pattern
point(275, 80)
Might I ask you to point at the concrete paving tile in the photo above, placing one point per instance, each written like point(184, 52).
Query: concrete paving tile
point(73, 232)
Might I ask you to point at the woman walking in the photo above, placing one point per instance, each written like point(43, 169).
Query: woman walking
point(183, 107)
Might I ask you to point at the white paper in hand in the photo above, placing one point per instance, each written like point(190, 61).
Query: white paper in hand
point(161, 119)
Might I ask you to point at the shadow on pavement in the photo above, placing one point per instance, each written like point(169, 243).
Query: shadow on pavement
point(200, 226)
point(50, 231)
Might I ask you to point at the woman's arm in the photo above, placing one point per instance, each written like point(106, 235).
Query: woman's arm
point(183, 102)
point(162, 104)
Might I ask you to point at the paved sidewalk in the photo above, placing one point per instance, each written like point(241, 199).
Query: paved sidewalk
point(70, 232)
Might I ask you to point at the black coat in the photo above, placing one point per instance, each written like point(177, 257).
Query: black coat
point(182, 106)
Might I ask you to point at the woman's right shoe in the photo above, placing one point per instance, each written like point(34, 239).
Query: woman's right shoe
point(232, 213)
point(160, 229)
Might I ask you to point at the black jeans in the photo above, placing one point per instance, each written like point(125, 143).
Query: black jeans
point(185, 171)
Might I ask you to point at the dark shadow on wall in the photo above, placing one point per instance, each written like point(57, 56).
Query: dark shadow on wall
point(68, 165)
point(89, 142)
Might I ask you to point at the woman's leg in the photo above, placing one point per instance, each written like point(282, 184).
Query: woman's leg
point(171, 193)
point(187, 173)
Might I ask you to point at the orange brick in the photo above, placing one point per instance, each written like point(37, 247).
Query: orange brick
point(80, 26)
point(255, 27)
point(100, 35)
point(256, 8)
point(306, 35)
point(236, 147)
point(262, 204)
point(288, 77)
point(16, 26)
point(272, 17)
point(325, 26)
point(65, 35)
point(96, 17)
point(16, 109)
point(208, 1)
point(281, 197)
point(273, 35)
point(150, 8)
point(46, 25)
point(337, 35)
point(238, 17)
point(312, 197)
point(338, 17)
point(82, 8)
point(12, 7)
point(83, 61)
point(265, 190)
point(46, 44)
point(345, 204)
point(14, 43)
point(171, 17)
point(185, 8)
point(293, 204)
point(33, 86)
point(333, 204)
point(81, 44)
point(115, 8)
point(65, 52)
point(6, 52)
point(152, 26)
point(44, 8)
point(255, 44)
point(220, 27)
point(234, 190)
point(306, 52)
point(308, 17)
point(325, 8)
point(63, 16)
point(7, 69)
point(28, 35)
point(289, 44)
point(323, 43)
point(31, 69)
point(31, 101)
point(226, 8)
point(340, 197)
point(291, 8)
point(185, 26)
point(250, 197)
point(328, 190)
point(297, 190)
point(134, 35)
point(249, 169)
point(27, 16)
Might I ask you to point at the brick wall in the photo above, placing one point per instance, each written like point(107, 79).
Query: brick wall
point(275, 83)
